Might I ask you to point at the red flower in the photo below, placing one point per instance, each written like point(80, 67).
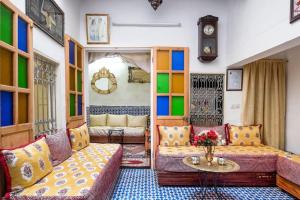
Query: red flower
point(212, 135)
point(202, 138)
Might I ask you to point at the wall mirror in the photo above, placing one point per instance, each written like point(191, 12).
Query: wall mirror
point(104, 82)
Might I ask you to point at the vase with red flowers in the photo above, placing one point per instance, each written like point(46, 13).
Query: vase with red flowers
point(208, 139)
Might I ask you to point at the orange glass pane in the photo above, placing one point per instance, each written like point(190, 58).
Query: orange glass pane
point(72, 79)
point(79, 57)
point(23, 108)
point(163, 60)
point(177, 83)
point(6, 67)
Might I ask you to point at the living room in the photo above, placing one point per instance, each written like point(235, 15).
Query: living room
point(174, 70)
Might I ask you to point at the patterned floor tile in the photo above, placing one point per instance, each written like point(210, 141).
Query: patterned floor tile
point(141, 184)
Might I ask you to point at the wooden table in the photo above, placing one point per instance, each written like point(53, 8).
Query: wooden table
point(215, 169)
point(116, 132)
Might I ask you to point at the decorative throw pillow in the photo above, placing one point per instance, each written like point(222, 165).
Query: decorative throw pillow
point(245, 135)
point(220, 130)
point(137, 120)
point(24, 166)
point(79, 137)
point(59, 146)
point(174, 135)
point(116, 120)
point(98, 120)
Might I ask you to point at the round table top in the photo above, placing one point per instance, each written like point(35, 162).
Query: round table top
point(229, 165)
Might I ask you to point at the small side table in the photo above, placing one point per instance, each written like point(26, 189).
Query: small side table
point(215, 169)
point(116, 132)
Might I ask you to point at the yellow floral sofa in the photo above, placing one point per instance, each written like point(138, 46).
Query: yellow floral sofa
point(88, 171)
point(88, 174)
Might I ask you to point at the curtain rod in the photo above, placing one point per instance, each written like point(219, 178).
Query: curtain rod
point(148, 24)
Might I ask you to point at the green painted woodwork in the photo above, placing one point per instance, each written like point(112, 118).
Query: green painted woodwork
point(72, 105)
point(177, 106)
point(79, 81)
point(22, 72)
point(162, 83)
point(6, 25)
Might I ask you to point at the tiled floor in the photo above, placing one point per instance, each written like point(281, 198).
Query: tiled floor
point(142, 184)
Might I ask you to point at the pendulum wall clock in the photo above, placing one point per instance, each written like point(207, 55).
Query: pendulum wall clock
point(208, 38)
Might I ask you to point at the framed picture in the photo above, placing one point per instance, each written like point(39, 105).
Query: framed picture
point(234, 80)
point(47, 16)
point(295, 10)
point(97, 28)
point(137, 75)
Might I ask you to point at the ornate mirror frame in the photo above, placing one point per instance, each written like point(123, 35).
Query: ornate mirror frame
point(104, 73)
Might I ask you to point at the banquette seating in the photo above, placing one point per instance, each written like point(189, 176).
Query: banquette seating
point(133, 120)
point(87, 171)
point(260, 165)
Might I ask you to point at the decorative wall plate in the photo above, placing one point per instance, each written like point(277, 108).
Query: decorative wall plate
point(109, 86)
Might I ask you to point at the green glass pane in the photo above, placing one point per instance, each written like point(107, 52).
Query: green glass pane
point(22, 72)
point(177, 106)
point(162, 83)
point(79, 81)
point(72, 105)
point(6, 25)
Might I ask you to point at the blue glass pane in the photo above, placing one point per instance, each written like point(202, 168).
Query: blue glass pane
point(6, 108)
point(177, 60)
point(22, 35)
point(72, 52)
point(79, 109)
point(162, 105)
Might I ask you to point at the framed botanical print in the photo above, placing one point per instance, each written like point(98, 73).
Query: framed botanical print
point(234, 80)
point(295, 10)
point(97, 28)
point(47, 16)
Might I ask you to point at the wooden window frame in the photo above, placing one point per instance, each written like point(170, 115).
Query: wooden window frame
point(19, 133)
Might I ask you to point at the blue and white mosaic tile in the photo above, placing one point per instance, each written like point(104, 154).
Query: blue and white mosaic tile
point(141, 184)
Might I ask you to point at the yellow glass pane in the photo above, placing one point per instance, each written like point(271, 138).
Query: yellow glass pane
point(163, 60)
point(23, 108)
point(177, 83)
point(72, 79)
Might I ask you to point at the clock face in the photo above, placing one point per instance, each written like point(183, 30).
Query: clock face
point(208, 29)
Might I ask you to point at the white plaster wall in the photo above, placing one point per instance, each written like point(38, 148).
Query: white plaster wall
point(293, 101)
point(257, 29)
point(126, 94)
point(171, 11)
point(45, 45)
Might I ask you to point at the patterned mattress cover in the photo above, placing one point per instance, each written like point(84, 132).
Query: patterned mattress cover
point(88, 174)
point(128, 131)
point(250, 158)
point(288, 166)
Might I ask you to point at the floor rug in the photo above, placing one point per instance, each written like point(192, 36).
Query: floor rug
point(134, 156)
point(141, 184)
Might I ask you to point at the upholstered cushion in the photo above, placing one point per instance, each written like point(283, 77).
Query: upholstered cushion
point(137, 120)
point(26, 165)
point(128, 131)
point(174, 135)
point(116, 120)
point(220, 130)
point(98, 120)
point(59, 146)
point(79, 137)
point(245, 135)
